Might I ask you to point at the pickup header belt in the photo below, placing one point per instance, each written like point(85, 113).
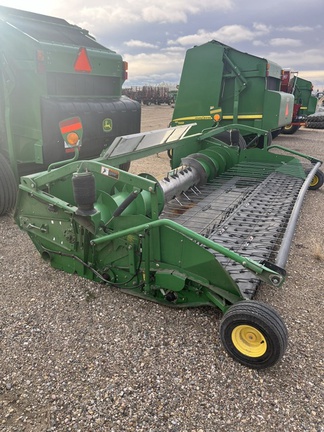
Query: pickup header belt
point(246, 214)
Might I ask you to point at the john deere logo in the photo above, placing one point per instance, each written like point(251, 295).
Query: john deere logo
point(107, 125)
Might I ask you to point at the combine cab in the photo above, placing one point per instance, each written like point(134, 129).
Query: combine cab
point(304, 103)
point(51, 71)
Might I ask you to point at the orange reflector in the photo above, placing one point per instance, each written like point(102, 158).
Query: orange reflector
point(82, 63)
point(217, 117)
point(287, 110)
point(72, 138)
point(72, 131)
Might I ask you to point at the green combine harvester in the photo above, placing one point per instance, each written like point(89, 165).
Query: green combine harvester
point(207, 234)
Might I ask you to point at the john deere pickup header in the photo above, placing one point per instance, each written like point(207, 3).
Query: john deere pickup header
point(208, 233)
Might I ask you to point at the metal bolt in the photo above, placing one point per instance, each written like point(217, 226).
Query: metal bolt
point(275, 280)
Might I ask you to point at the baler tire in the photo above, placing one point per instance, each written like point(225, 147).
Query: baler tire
point(289, 129)
point(275, 133)
point(261, 141)
point(317, 181)
point(8, 186)
point(254, 334)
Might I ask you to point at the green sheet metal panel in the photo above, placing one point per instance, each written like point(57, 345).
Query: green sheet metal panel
point(200, 85)
point(240, 87)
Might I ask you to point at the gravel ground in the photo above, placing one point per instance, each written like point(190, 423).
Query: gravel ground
point(79, 356)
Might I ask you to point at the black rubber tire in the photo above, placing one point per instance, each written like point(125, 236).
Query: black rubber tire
point(314, 118)
point(275, 133)
point(317, 181)
point(261, 141)
point(289, 129)
point(315, 125)
point(8, 187)
point(254, 334)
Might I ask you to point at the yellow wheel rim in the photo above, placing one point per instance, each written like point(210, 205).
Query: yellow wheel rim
point(314, 181)
point(249, 341)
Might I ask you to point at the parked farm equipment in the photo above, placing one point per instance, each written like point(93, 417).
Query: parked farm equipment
point(304, 103)
point(148, 95)
point(222, 85)
point(51, 70)
point(219, 223)
point(315, 121)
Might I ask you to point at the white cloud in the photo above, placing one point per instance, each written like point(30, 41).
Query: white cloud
point(261, 29)
point(298, 29)
point(285, 42)
point(154, 14)
point(100, 14)
point(175, 49)
point(312, 75)
point(294, 61)
point(140, 44)
point(227, 34)
point(163, 64)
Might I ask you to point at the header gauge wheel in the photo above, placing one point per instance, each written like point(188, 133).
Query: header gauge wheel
point(317, 181)
point(254, 334)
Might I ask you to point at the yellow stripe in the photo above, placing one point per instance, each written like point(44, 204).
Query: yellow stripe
point(303, 108)
point(192, 118)
point(240, 117)
point(244, 117)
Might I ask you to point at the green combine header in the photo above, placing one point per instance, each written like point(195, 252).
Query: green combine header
point(207, 234)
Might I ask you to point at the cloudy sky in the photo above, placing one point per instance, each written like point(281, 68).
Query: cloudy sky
point(153, 35)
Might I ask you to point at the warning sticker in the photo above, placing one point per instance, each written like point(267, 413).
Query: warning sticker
point(109, 172)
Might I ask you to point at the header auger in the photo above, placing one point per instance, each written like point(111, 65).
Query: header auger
point(219, 223)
